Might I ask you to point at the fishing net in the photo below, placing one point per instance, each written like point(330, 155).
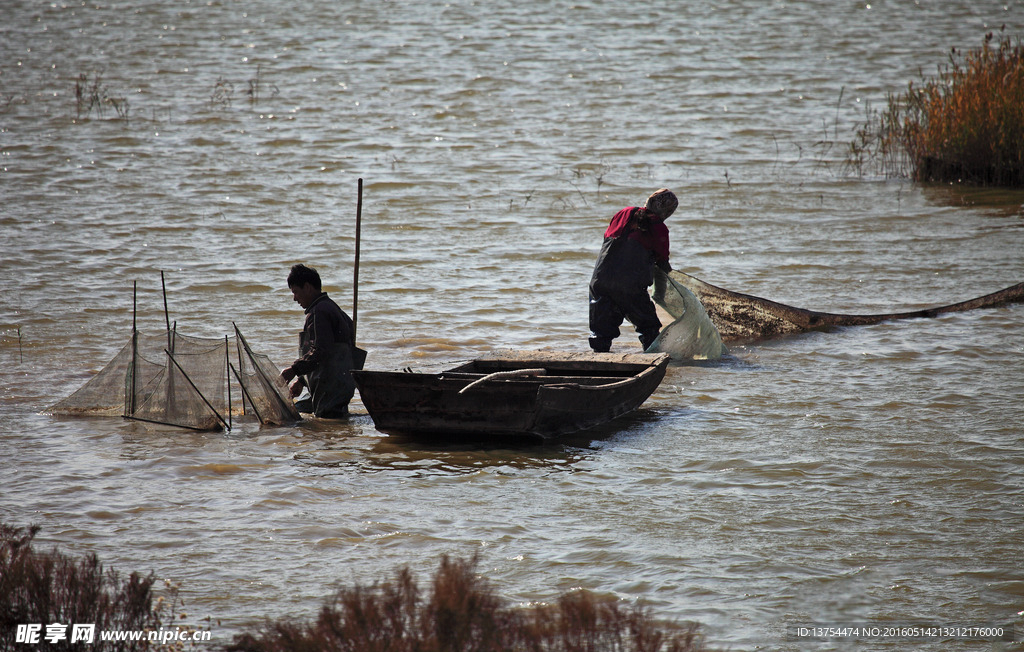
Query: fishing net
point(265, 392)
point(183, 381)
point(105, 393)
point(191, 391)
point(691, 336)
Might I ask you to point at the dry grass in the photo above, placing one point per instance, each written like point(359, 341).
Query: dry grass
point(462, 613)
point(459, 613)
point(46, 588)
point(966, 125)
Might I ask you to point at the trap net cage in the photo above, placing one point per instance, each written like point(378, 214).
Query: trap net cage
point(264, 392)
point(189, 390)
point(184, 381)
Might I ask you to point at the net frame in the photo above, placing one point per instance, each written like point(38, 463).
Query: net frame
point(262, 385)
point(182, 381)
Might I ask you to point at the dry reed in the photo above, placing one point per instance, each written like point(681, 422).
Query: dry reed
point(46, 588)
point(92, 94)
point(462, 613)
point(966, 125)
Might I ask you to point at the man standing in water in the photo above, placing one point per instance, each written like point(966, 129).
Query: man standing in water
point(635, 241)
point(326, 346)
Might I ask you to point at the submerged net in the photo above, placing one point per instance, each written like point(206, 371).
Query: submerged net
point(110, 392)
point(691, 336)
point(182, 381)
point(189, 392)
point(263, 389)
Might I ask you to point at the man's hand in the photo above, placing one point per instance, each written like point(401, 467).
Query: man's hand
point(296, 388)
point(288, 374)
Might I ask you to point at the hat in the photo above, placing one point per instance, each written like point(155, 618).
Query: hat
point(663, 202)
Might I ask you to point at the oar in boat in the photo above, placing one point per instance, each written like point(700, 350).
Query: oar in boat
point(740, 316)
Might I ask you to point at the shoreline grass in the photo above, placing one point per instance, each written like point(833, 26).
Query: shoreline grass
point(54, 590)
point(459, 611)
point(965, 125)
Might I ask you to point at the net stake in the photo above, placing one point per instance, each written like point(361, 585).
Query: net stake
point(355, 271)
point(199, 393)
point(167, 315)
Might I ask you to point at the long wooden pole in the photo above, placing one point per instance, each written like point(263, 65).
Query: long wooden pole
point(130, 398)
point(167, 315)
point(227, 376)
point(355, 272)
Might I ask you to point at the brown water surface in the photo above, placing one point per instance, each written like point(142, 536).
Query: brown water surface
point(864, 475)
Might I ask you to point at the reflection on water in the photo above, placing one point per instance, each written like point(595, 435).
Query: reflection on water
point(999, 202)
point(419, 458)
point(864, 474)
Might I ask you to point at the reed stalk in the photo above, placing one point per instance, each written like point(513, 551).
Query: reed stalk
point(965, 125)
point(91, 93)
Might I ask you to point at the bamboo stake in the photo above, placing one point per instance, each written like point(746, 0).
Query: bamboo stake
point(227, 376)
point(130, 389)
point(164, 423)
point(238, 350)
point(167, 315)
point(355, 273)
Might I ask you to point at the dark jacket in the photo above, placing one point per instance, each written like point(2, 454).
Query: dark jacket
point(628, 254)
point(325, 349)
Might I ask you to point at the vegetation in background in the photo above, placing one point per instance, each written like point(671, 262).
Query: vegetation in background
point(91, 93)
point(47, 588)
point(223, 93)
point(462, 614)
point(966, 125)
point(256, 85)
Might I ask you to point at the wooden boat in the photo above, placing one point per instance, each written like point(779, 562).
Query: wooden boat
point(533, 394)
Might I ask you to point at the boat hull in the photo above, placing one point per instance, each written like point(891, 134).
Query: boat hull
point(575, 391)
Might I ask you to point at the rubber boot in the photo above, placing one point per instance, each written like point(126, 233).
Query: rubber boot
point(647, 339)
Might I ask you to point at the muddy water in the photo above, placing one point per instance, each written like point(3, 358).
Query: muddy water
point(865, 475)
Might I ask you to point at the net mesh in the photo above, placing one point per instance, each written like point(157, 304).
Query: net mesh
point(105, 393)
point(183, 381)
point(692, 336)
point(264, 391)
point(187, 393)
